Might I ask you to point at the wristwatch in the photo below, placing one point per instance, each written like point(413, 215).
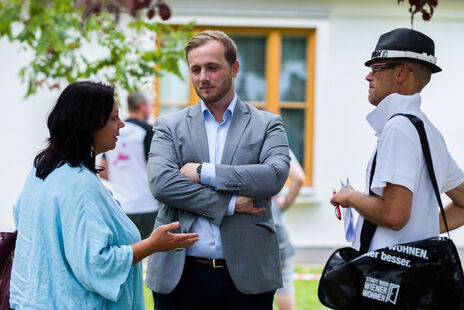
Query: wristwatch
point(199, 170)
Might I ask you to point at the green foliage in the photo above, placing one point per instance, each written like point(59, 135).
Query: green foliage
point(306, 290)
point(125, 53)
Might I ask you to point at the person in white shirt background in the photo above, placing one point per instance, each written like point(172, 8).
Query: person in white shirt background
point(126, 166)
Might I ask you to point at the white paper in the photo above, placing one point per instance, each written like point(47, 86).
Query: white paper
point(348, 219)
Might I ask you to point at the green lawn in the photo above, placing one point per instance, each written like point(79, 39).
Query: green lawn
point(306, 292)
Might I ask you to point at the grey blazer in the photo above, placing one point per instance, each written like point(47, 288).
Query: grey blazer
point(255, 163)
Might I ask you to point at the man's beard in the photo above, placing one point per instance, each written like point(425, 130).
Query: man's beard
point(223, 90)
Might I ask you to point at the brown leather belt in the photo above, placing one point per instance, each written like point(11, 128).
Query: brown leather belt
point(215, 263)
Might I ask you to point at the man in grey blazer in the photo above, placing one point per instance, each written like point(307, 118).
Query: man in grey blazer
point(215, 166)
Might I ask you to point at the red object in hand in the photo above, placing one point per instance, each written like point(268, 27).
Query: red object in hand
point(338, 214)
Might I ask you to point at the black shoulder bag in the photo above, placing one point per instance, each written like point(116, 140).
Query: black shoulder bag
point(425, 274)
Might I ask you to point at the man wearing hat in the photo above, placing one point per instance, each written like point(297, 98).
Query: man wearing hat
point(401, 202)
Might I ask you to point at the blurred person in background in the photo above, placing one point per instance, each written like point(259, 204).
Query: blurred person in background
point(286, 295)
point(126, 166)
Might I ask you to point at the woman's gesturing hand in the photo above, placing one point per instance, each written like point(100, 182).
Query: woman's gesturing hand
point(160, 240)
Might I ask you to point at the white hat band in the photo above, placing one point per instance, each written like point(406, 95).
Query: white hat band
point(404, 54)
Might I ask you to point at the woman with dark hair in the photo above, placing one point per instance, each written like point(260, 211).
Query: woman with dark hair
point(76, 248)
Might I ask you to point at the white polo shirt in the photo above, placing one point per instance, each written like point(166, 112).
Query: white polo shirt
point(400, 161)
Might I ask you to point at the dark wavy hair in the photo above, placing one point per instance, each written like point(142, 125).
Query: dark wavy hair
point(82, 108)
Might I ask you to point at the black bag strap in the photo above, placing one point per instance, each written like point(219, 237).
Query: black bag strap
point(367, 228)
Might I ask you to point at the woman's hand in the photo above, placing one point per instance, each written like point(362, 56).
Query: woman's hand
point(160, 240)
point(163, 240)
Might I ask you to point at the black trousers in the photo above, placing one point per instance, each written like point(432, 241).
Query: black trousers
point(203, 287)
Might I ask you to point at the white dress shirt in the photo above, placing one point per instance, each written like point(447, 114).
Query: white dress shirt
point(209, 244)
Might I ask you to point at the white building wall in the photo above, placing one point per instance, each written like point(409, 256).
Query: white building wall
point(347, 32)
point(22, 128)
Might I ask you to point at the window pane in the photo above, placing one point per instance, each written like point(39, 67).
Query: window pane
point(170, 109)
point(173, 89)
point(250, 83)
point(293, 71)
point(294, 123)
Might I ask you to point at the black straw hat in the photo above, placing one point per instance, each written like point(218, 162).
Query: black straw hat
point(403, 43)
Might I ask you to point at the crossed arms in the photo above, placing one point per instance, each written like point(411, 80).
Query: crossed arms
point(173, 181)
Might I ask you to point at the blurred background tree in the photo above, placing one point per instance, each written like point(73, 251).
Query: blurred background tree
point(117, 42)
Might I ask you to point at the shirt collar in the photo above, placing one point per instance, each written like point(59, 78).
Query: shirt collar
point(228, 114)
point(391, 105)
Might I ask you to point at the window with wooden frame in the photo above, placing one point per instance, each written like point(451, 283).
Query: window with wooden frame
point(276, 73)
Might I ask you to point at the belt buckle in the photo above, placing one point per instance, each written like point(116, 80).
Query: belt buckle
point(216, 266)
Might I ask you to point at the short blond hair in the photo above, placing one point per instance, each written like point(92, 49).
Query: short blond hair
point(230, 49)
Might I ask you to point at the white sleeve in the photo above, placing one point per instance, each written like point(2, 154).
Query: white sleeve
point(399, 157)
point(454, 176)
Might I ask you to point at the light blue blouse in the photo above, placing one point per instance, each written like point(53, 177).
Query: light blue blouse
point(74, 246)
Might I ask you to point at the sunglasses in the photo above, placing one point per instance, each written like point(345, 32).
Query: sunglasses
point(387, 65)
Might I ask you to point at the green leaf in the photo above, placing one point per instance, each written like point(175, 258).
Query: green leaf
point(66, 48)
